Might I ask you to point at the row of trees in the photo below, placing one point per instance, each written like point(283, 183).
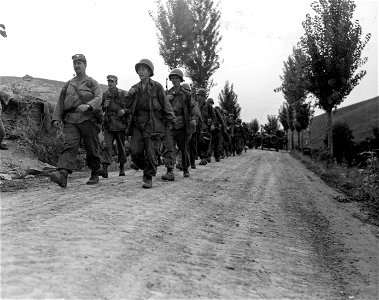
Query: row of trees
point(324, 64)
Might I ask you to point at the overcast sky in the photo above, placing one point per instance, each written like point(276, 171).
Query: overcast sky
point(114, 35)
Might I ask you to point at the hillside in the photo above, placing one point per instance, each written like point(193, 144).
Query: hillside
point(360, 117)
point(45, 89)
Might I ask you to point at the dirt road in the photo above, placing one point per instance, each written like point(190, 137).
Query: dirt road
point(256, 226)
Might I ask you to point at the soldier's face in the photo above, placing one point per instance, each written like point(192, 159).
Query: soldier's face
point(175, 80)
point(79, 67)
point(143, 72)
point(112, 83)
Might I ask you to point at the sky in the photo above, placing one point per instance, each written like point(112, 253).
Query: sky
point(257, 37)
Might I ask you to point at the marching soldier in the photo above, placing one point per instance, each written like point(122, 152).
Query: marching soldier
point(208, 116)
point(185, 124)
point(113, 105)
point(150, 114)
point(79, 109)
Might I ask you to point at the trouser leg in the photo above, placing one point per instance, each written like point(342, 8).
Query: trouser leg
point(89, 131)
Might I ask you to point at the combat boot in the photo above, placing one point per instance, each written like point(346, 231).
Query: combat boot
point(147, 182)
point(94, 179)
point(193, 165)
point(104, 171)
point(169, 176)
point(203, 162)
point(122, 170)
point(179, 166)
point(209, 159)
point(59, 177)
point(186, 173)
point(217, 159)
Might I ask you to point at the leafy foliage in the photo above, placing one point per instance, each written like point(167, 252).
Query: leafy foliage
point(254, 126)
point(228, 100)
point(272, 124)
point(332, 45)
point(188, 36)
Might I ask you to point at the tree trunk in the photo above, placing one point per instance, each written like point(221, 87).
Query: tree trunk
point(298, 140)
point(329, 130)
point(302, 141)
point(292, 140)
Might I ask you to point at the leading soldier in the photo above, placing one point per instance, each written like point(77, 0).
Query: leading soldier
point(79, 109)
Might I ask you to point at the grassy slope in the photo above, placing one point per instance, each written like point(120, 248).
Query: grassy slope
point(360, 117)
point(45, 88)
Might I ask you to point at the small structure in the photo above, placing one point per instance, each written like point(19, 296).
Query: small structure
point(27, 77)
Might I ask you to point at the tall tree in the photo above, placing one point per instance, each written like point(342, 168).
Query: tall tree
point(175, 27)
point(254, 126)
point(272, 124)
point(283, 118)
point(303, 113)
point(2, 31)
point(204, 58)
point(293, 87)
point(228, 100)
point(188, 36)
point(333, 46)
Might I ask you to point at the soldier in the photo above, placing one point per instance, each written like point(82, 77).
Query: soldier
point(185, 124)
point(227, 134)
point(232, 134)
point(113, 105)
point(217, 139)
point(5, 99)
point(208, 116)
point(150, 113)
point(79, 109)
point(193, 142)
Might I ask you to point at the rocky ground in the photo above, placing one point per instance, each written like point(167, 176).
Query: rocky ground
point(255, 226)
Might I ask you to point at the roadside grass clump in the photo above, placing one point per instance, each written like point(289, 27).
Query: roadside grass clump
point(358, 183)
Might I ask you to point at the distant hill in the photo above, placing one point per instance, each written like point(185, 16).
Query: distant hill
point(45, 89)
point(360, 117)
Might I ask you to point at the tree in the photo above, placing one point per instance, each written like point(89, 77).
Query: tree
point(332, 45)
point(254, 126)
point(272, 124)
point(204, 59)
point(283, 118)
point(293, 88)
point(303, 113)
point(188, 36)
point(228, 100)
point(175, 28)
point(2, 31)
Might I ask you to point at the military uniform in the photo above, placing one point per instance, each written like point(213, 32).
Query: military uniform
point(184, 110)
point(79, 125)
point(205, 139)
point(150, 112)
point(114, 126)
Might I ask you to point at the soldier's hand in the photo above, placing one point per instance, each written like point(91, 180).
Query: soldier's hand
point(120, 113)
point(193, 123)
point(170, 97)
point(82, 108)
point(131, 92)
point(106, 103)
point(212, 127)
point(55, 124)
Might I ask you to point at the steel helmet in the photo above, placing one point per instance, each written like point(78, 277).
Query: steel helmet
point(210, 100)
point(201, 92)
point(176, 72)
point(186, 87)
point(147, 63)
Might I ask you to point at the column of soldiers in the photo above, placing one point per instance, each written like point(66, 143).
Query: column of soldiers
point(170, 124)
